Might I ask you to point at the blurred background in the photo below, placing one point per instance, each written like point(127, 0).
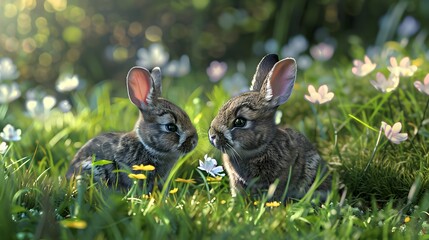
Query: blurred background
point(85, 42)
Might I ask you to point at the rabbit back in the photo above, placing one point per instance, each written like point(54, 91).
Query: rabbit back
point(102, 147)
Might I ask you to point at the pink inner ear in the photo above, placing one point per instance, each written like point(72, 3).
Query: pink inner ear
point(282, 79)
point(139, 84)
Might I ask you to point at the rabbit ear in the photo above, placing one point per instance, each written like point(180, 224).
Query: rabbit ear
point(156, 76)
point(263, 68)
point(280, 82)
point(140, 87)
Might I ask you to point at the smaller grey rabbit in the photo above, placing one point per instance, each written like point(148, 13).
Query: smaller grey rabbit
point(255, 151)
point(162, 134)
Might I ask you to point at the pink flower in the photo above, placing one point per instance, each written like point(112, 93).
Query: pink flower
point(385, 85)
point(404, 68)
point(423, 87)
point(322, 51)
point(321, 96)
point(216, 70)
point(362, 69)
point(393, 132)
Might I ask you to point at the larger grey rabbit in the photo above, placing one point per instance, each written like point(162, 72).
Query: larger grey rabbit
point(255, 151)
point(162, 134)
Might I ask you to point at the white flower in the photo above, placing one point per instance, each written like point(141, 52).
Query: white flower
point(408, 27)
point(64, 106)
point(322, 51)
point(423, 87)
point(271, 45)
point(48, 103)
point(8, 70)
point(393, 132)
point(385, 85)
point(210, 166)
point(32, 107)
point(299, 43)
point(362, 69)
point(154, 56)
point(67, 83)
point(295, 47)
point(178, 68)
point(235, 84)
point(3, 148)
point(321, 96)
point(216, 70)
point(9, 92)
point(304, 62)
point(42, 108)
point(10, 134)
point(403, 69)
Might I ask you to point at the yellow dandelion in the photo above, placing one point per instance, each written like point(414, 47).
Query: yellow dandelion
point(222, 202)
point(140, 176)
point(182, 180)
point(74, 223)
point(174, 190)
point(143, 167)
point(214, 179)
point(407, 219)
point(272, 204)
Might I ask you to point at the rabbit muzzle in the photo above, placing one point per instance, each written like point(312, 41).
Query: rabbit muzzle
point(189, 143)
point(219, 140)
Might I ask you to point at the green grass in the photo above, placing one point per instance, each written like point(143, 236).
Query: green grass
point(386, 185)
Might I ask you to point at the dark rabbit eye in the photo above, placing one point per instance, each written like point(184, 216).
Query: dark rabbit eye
point(171, 127)
point(239, 122)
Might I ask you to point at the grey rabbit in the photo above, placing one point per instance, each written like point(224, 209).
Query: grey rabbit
point(162, 134)
point(255, 151)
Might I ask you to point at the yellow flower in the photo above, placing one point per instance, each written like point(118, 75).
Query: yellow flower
point(256, 203)
point(137, 176)
point(143, 167)
point(407, 219)
point(182, 180)
point(272, 204)
point(74, 223)
point(222, 202)
point(174, 190)
point(214, 179)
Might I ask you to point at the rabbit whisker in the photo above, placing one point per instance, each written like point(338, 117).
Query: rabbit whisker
point(234, 154)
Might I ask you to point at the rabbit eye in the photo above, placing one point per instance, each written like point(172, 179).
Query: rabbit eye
point(171, 127)
point(239, 122)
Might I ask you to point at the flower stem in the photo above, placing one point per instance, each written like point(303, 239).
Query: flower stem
point(337, 149)
point(389, 104)
point(375, 149)
point(400, 105)
point(205, 183)
point(316, 119)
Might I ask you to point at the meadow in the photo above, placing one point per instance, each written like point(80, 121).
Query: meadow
point(366, 110)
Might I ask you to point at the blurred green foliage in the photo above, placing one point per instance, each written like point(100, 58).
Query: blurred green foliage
point(99, 39)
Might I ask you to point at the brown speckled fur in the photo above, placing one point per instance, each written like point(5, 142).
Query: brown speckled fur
point(150, 142)
point(257, 154)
